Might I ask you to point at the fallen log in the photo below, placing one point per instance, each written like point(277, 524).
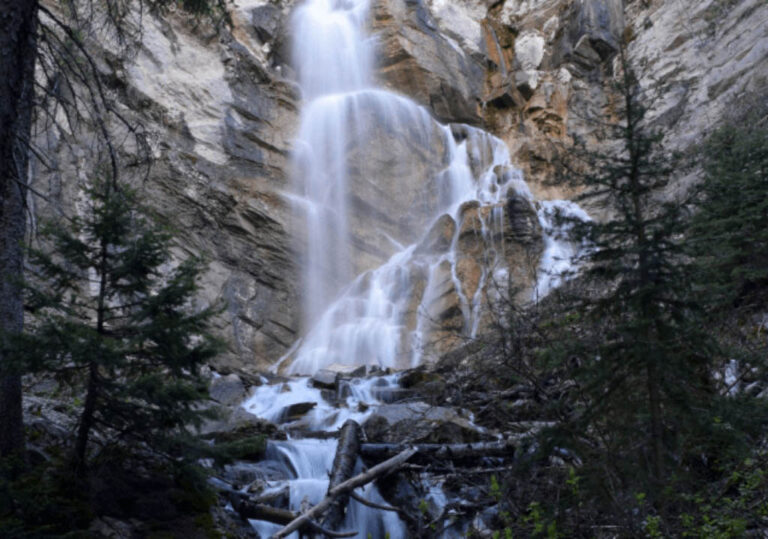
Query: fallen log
point(364, 478)
point(369, 503)
point(256, 511)
point(343, 468)
point(503, 448)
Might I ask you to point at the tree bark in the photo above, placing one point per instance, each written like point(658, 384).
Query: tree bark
point(343, 468)
point(79, 463)
point(18, 48)
point(504, 448)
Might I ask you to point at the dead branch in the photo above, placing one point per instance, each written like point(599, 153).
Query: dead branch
point(384, 468)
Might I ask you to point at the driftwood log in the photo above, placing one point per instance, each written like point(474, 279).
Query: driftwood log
point(502, 448)
point(347, 486)
point(256, 511)
point(343, 467)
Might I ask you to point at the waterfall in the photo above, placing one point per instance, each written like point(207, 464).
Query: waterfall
point(385, 316)
point(557, 264)
point(334, 61)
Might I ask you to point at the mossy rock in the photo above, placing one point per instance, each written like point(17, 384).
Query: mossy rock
point(419, 377)
point(246, 448)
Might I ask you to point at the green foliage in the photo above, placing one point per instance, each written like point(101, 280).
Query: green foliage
point(113, 317)
point(729, 231)
point(41, 503)
point(644, 358)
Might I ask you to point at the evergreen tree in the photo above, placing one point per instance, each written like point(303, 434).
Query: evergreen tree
point(729, 232)
point(110, 314)
point(46, 51)
point(644, 358)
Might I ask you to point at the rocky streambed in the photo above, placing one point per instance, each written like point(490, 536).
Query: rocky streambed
point(442, 490)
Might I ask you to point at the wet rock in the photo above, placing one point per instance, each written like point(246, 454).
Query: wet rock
point(418, 422)
point(470, 238)
point(325, 378)
point(328, 378)
point(391, 395)
point(245, 473)
point(469, 272)
point(523, 222)
point(438, 239)
point(416, 59)
point(445, 306)
point(595, 26)
point(393, 176)
point(227, 389)
point(296, 411)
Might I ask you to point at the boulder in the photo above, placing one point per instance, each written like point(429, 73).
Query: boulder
point(328, 377)
point(246, 473)
point(418, 422)
point(296, 411)
point(324, 378)
point(227, 390)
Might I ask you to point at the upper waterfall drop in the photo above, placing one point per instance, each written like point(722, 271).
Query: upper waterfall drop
point(331, 51)
point(333, 58)
point(387, 313)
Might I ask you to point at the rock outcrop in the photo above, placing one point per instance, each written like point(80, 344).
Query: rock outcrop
point(218, 121)
point(218, 114)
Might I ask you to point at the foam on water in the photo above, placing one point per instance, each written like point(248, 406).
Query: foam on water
point(558, 260)
point(306, 464)
point(360, 398)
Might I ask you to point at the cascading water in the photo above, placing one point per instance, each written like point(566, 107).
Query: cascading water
point(557, 260)
point(334, 62)
point(365, 323)
point(382, 317)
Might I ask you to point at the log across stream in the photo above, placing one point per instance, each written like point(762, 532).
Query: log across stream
point(325, 482)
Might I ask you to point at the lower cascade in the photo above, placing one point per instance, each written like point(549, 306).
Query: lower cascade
point(401, 293)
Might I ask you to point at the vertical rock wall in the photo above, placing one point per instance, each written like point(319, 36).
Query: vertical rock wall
point(220, 115)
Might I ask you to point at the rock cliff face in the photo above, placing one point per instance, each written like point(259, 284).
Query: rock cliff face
point(220, 113)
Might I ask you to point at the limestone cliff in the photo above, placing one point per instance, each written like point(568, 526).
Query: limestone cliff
point(220, 113)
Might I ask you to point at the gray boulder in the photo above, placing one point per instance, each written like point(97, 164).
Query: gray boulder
point(227, 390)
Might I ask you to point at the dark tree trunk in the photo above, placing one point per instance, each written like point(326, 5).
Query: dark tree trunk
point(79, 463)
point(343, 468)
point(18, 46)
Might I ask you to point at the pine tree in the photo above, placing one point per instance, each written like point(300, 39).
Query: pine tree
point(729, 232)
point(644, 358)
point(45, 48)
point(112, 317)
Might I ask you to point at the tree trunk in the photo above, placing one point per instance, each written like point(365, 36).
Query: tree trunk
point(86, 422)
point(343, 468)
point(430, 452)
point(18, 47)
